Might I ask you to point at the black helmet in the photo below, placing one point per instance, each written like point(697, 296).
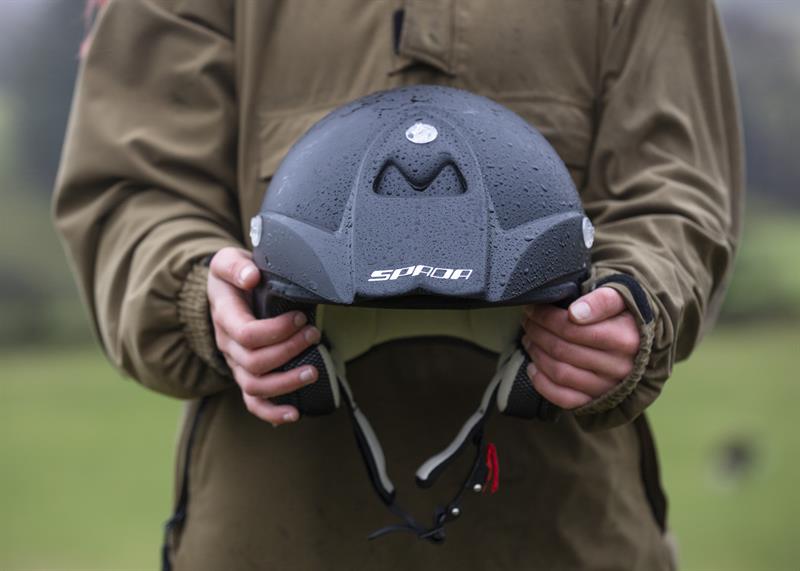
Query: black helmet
point(420, 198)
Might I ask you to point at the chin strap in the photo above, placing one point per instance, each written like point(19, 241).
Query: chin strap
point(481, 476)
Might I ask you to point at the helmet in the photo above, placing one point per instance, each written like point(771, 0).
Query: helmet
point(426, 198)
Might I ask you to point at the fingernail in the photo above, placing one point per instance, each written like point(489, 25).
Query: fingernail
point(525, 342)
point(531, 370)
point(581, 311)
point(290, 417)
point(307, 375)
point(300, 319)
point(245, 273)
point(312, 335)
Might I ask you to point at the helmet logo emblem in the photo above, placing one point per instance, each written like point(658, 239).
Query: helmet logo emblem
point(421, 133)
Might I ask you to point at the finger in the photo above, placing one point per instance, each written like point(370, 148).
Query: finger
point(563, 397)
point(275, 384)
point(270, 412)
point(619, 334)
point(266, 359)
point(235, 266)
point(599, 305)
point(253, 333)
point(229, 309)
point(565, 375)
point(604, 363)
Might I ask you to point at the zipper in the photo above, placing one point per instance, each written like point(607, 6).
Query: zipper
point(179, 514)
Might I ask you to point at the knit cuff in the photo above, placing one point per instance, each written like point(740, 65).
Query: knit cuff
point(195, 317)
point(638, 302)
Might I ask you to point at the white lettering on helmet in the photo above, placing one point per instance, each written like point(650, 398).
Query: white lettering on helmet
point(402, 272)
point(444, 273)
point(380, 275)
point(420, 270)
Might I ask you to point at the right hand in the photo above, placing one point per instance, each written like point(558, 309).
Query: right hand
point(255, 348)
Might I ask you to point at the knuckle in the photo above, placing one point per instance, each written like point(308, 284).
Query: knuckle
point(222, 259)
point(559, 349)
point(249, 362)
point(544, 387)
point(631, 343)
point(244, 381)
point(249, 386)
point(538, 383)
point(571, 331)
point(629, 320)
point(250, 405)
point(560, 373)
point(235, 332)
point(248, 336)
point(221, 341)
point(596, 336)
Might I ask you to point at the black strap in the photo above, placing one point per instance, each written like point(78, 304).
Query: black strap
point(442, 515)
point(179, 515)
point(639, 297)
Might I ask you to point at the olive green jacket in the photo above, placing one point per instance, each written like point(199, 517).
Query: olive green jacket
point(184, 109)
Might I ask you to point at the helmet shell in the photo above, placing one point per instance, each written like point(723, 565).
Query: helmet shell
point(422, 196)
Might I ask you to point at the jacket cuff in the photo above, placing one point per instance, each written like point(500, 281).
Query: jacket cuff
point(640, 304)
point(195, 317)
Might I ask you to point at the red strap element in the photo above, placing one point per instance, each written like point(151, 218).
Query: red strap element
point(493, 465)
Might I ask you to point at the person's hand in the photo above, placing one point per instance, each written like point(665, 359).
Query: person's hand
point(255, 348)
point(581, 353)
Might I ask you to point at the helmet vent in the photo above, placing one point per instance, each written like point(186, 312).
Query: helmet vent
point(393, 180)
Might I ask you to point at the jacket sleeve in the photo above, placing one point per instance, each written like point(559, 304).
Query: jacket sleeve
point(146, 186)
point(664, 186)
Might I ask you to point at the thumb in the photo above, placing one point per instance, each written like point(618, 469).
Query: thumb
point(599, 305)
point(235, 266)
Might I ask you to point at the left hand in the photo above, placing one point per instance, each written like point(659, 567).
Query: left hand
point(581, 353)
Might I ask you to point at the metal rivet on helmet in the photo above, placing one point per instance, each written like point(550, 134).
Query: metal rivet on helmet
point(421, 133)
point(588, 233)
point(256, 227)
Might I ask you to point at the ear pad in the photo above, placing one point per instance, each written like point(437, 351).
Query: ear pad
point(516, 395)
point(321, 397)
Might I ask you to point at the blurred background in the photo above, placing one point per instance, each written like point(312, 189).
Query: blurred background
point(86, 457)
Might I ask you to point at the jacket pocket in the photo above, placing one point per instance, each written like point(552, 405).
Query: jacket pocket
point(567, 125)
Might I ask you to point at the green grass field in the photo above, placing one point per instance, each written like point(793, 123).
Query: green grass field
point(87, 458)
